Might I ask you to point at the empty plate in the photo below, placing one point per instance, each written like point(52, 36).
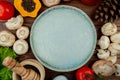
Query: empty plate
point(63, 38)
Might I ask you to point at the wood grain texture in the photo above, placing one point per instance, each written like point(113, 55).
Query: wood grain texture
point(89, 10)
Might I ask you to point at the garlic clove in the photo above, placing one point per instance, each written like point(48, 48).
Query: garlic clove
point(20, 47)
point(103, 67)
point(109, 29)
point(14, 22)
point(115, 38)
point(113, 59)
point(104, 42)
point(103, 54)
point(6, 38)
point(117, 72)
point(23, 32)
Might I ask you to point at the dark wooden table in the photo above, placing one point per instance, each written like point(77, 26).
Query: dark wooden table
point(89, 10)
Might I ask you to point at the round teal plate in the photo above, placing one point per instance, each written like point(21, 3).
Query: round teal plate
point(63, 38)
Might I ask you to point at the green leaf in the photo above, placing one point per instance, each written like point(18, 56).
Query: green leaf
point(5, 74)
point(6, 51)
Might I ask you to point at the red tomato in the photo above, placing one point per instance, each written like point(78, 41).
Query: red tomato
point(91, 2)
point(6, 10)
point(85, 73)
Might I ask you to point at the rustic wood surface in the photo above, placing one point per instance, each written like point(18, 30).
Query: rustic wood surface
point(89, 10)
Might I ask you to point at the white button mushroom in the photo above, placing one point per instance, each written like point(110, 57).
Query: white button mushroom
point(22, 32)
point(14, 22)
point(103, 54)
point(115, 38)
point(104, 42)
point(20, 47)
point(6, 38)
point(117, 72)
point(109, 29)
point(113, 59)
point(50, 3)
point(103, 67)
point(114, 48)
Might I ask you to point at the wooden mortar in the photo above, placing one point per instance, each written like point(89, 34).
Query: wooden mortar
point(30, 63)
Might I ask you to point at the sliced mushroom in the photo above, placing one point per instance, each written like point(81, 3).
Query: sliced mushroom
point(14, 22)
point(114, 48)
point(109, 29)
point(20, 47)
point(104, 42)
point(113, 59)
point(103, 67)
point(103, 54)
point(117, 72)
point(22, 33)
point(115, 38)
point(50, 3)
point(6, 38)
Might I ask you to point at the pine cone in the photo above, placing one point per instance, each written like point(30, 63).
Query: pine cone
point(108, 11)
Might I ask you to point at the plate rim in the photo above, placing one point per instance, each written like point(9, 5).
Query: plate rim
point(93, 47)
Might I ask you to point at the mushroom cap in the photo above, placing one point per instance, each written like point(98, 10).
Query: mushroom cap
point(113, 59)
point(103, 67)
point(109, 29)
point(20, 47)
point(14, 22)
point(115, 38)
point(50, 3)
point(104, 42)
point(114, 48)
point(103, 54)
point(6, 38)
point(22, 32)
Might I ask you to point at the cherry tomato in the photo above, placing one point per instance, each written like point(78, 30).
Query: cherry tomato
point(84, 73)
point(6, 10)
point(91, 2)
